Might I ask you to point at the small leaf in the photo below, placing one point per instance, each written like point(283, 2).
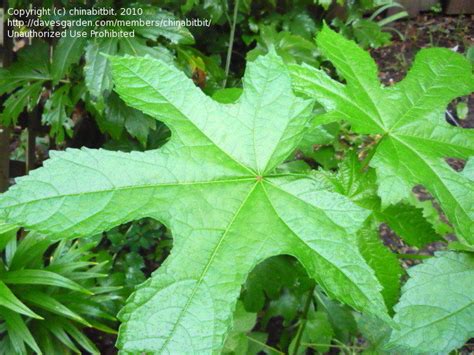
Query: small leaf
point(317, 334)
point(55, 113)
point(68, 51)
point(410, 224)
point(18, 101)
point(97, 74)
point(118, 115)
point(385, 264)
point(462, 110)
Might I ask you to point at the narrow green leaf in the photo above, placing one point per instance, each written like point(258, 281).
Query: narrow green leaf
point(43, 300)
point(56, 328)
point(40, 277)
point(10, 301)
point(80, 338)
point(17, 328)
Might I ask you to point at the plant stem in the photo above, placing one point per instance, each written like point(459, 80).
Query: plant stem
point(231, 43)
point(265, 345)
point(304, 318)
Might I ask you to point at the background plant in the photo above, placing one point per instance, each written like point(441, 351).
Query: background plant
point(49, 294)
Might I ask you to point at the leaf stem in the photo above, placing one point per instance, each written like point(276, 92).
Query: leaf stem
point(265, 345)
point(304, 318)
point(231, 43)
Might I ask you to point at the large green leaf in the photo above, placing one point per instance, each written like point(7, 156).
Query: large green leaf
point(409, 117)
point(214, 185)
point(436, 311)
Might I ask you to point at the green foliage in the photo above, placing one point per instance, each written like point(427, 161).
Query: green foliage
point(262, 254)
point(409, 117)
point(48, 294)
point(233, 184)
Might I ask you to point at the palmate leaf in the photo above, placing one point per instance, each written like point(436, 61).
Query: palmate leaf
point(436, 311)
point(214, 185)
point(409, 116)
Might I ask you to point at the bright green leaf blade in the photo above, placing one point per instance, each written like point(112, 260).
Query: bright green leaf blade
point(344, 275)
point(436, 311)
point(10, 301)
point(328, 255)
point(118, 179)
point(40, 277)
